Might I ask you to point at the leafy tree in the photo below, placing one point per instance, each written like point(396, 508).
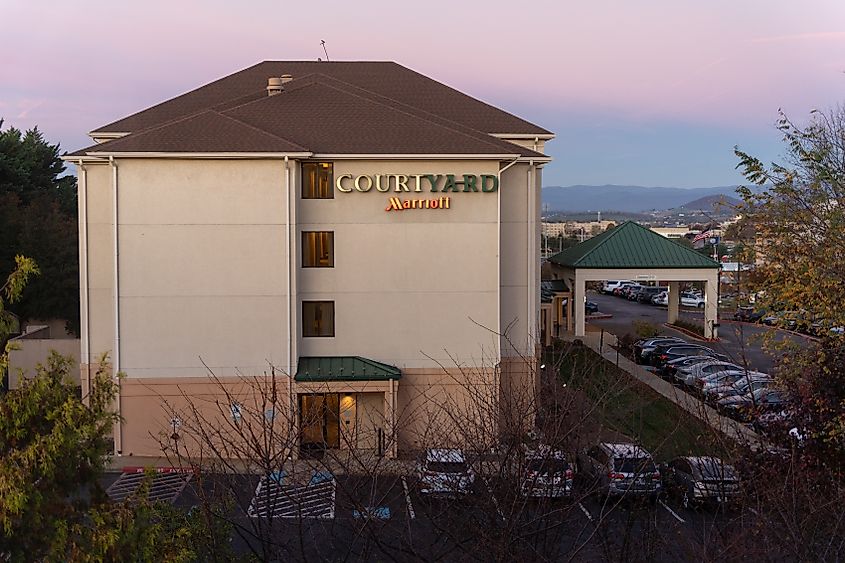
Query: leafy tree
point(799, 223)
point(799, 218)
point(10, 292)
point(38, 219)
point(53, 451)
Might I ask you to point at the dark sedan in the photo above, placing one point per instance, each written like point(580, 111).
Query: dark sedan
point(668, 352)
point(747, 407)
point(643, 348)
point(749, 315)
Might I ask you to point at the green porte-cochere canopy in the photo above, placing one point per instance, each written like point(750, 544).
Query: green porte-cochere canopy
point(631, 245)
point(344, 368)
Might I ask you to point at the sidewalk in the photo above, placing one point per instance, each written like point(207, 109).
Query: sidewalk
point(729, 427)
point(338, 463)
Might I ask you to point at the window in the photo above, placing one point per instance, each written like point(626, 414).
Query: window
point(318, 249)
point(318, 318)
point(317, 180)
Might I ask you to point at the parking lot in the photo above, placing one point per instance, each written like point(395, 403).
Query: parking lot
point(736, 340)
point(343, 517)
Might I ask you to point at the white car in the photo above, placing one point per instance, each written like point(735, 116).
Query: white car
point(610, 285)
point(547, 473)
point(445, 472)
point(689, 299)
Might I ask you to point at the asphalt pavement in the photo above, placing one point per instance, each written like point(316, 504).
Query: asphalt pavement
point(739, 341)
point(385, 517)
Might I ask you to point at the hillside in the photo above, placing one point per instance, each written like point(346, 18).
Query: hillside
point(630, 199)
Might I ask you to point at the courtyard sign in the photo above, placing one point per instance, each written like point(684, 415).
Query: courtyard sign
point(398, 183)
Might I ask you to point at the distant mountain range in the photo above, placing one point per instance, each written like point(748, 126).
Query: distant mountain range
point(632, 199)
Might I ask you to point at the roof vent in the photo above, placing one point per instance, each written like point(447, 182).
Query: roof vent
point(286, 78)
point(274, 86)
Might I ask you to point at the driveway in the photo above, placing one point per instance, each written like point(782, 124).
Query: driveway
point(737, 340)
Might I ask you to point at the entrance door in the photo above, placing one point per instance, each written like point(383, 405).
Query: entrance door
point(319, 420)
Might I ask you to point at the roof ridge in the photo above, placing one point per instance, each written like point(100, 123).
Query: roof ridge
point(169, 100)
point(481, 136)
point(194, 116)
point(427, 115)
point(155, 127)
point(279, 137)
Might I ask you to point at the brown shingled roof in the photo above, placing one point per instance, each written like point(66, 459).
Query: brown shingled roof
point(388, 79)
point(344, 108)
point(209, 131)
point(350, 123)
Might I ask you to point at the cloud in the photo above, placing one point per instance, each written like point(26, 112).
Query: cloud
point(27, 106)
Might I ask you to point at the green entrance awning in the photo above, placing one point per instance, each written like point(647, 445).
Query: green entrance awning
point(344, 368)
point(631, 246)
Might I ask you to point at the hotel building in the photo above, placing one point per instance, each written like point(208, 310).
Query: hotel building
point(369, 232)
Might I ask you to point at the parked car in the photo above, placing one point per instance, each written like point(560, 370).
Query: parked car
point(445, 472)
point(647, 293)
point(724, 379)
point(688, 375)
point(749, 315)
point(701, 479)
point(671, 370)
point(608, 286)
point(547, 473)
point(661, 299)
point(644, 348)
point(620, 469)
point(634, 292)
point(623, 288)
point(690, 299)
point(667, 352)
point(747, 407)
point(628, 289)
point(591, 307)
point(743, 386)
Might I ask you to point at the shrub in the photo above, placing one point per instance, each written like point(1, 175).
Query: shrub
point(645, 329)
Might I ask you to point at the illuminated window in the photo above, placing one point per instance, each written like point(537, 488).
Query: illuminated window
point(317, 180)
point(318, 249)
point(318, 318)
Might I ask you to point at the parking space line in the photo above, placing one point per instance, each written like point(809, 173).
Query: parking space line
point(672, 512)
point(585, 511)
point(408, 502)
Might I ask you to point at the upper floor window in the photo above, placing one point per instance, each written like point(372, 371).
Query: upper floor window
point(318, 249)
point(317, 180)
point(318, 318)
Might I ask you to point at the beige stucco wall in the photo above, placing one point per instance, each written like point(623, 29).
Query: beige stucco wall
point(520, 266)
point(202, 265)
point(406, 284)
point(24, 360)
point(203, 279)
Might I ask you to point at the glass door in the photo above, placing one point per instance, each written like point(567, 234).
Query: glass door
point(320, 421)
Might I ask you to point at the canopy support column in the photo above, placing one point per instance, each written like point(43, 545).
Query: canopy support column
point(577, 303)
point(711, 305)
point(674, 297)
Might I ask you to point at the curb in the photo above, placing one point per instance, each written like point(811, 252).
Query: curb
point(598, 316)
point(691, 334)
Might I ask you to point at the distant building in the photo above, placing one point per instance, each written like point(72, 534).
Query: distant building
point(680, 231)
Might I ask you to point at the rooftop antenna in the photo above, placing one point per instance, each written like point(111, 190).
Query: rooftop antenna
point(323, 43)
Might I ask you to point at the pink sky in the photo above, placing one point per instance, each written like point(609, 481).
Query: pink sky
point(611, 78)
